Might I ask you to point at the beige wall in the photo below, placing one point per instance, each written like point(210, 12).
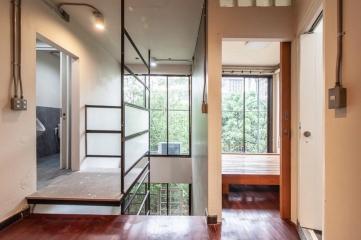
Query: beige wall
point(98, 75)
point(342, 127)
point(271, 24)
point(343, 130)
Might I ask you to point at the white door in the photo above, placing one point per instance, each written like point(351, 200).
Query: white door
point(64, 130)
point(311, 134)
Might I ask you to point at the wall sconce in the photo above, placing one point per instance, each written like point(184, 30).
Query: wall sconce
point(99, 22)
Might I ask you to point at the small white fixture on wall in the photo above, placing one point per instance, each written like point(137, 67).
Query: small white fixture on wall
point(226, 3)
point(246, 3)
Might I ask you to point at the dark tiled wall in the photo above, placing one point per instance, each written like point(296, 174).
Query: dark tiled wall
point(48, 143)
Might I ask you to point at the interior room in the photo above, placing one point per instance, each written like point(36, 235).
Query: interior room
point(48, 114)
point(250, 128)
point(180, 119)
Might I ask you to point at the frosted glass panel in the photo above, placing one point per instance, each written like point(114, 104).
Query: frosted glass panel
point(103, 144)
point(135, 148)
point(104, 119)
point(136, 120)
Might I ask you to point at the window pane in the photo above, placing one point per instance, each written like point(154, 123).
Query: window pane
point(245, 114)
point(158, 132)
point(134, 91)
point(232, 114)
point(179, 199)
point(256, 90)
point(158, 115)
point(178, 93)
point(178, 132)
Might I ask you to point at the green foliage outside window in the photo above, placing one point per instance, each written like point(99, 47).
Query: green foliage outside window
point(244, 115)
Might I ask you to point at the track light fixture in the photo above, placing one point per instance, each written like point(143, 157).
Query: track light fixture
point(99, 22)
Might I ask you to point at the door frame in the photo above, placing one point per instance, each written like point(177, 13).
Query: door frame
point(285, 130)
point(72, 75)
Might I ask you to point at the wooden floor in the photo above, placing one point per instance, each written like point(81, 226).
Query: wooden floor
point(250, 214)
point(56, 227)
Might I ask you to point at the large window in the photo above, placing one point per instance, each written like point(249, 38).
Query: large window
point(170, 199)
point(170, 115)
point(246, 114)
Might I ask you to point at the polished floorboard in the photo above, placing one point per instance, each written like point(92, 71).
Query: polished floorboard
point(60, 227)
point(252, 213)
point(248, 214)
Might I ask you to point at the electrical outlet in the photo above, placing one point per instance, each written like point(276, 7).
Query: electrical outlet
point(19, 104)
point(337, 97)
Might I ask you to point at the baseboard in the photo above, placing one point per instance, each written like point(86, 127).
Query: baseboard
point(16, 217)
point(308, 234)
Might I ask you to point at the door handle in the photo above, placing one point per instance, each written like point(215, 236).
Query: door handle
point(307, 134)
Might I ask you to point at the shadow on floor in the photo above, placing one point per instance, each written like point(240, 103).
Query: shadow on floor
point(48, 169)
point(252, 213)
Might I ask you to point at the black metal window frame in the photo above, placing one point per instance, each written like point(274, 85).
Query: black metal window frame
point(145, 173)
point(167, 113)
point(98, 131)
point(269, 107)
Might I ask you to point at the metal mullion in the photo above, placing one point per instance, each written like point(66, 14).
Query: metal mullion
point(104, 131)
point(244, 114)
point(148, 203)
point(135, 135)
point(135, 164)
point(135, 106)
point(143, 202)
point(135, 76)
point(102, 106)
point(190, 115)
point(122, 99)
point(167, 199)
point(257, 114)
point(86, 129)
point(136, 49)
point(136, 190)
point(167, 112)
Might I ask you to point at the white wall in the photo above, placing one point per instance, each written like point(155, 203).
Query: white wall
point(47, 79)
point(199, 130)
point(271, 24)
point(99, 83)
point(170, 170)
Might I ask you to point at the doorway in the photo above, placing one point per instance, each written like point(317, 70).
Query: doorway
point(311, 128)
point(53, 72)
point(251, 141)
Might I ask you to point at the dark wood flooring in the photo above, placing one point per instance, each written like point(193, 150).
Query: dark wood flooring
point(252, 213)
point(249, 214)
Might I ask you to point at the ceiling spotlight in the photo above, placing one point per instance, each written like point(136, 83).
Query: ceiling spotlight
point(99, 21)
point(153, 62)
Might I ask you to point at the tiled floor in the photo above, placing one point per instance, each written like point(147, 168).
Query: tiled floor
point(48, 169)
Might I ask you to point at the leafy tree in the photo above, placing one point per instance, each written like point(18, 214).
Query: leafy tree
point(244, 111)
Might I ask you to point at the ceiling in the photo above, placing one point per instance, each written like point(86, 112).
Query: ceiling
point(169, 28)
point(242, 53)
